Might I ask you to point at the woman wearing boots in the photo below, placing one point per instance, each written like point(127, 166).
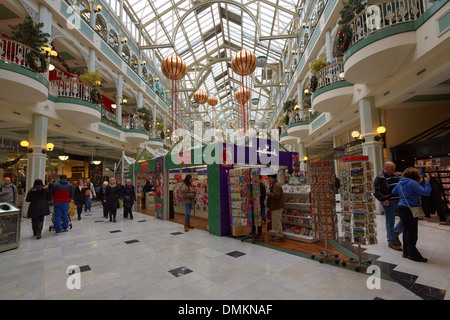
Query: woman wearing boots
point(112, 199)
point(80, 197)
point(39, 197)
point(188, 194)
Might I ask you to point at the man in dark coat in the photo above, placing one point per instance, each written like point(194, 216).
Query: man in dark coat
point(113, 197)
point(101, 197)
point(39, 197)
point(128, 197)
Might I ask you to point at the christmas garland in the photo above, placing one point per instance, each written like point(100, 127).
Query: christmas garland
point(36, 61)
point(96, 96)
point(7, 164)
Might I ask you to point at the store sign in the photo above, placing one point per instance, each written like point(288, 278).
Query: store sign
point(144, 166)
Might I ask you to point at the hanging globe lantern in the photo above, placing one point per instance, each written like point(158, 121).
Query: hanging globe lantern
point(244, 63)
point(242, 95)
point(212, 101)
point(174, 68)
point(200, 96)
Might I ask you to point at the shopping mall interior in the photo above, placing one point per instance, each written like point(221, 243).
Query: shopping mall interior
point(320, 93)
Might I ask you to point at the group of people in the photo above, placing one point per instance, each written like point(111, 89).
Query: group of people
point(398, 195)
point(63, 193)
point(275, 203)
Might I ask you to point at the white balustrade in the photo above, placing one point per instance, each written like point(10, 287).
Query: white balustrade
point(330, 74)
point(384, 14)
point(70, 89)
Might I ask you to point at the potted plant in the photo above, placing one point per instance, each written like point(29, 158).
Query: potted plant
point(30, 34)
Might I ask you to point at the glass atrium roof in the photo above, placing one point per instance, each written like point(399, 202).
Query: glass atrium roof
point(207, 34)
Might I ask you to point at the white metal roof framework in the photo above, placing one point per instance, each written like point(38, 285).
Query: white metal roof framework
point(206, 35)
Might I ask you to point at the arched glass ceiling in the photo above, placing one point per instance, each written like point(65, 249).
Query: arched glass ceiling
point(207, 39)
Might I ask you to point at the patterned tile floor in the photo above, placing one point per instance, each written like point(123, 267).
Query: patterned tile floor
point(150, 259)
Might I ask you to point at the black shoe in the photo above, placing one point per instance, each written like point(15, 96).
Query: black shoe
point(131, 217)
point(420, 259)
point(38, 237)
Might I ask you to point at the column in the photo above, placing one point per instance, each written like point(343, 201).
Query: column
point(328, 46)
point(154, 122)
point(36, 160)
point(45, 17)
point(119, 99)
point(301, 154)
point(370, 120)
point(91, 65)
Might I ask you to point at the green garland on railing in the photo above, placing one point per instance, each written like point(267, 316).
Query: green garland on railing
point(96, 96)
point(7, 164)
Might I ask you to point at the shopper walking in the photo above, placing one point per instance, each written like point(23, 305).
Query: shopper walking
point(188, 194)
point(262, 205)
point(384, 183)
point(90, 193)
point(62, 194)
point(80, 197)
point(9, 192)
point(101, 198)
point(276, 203)
point(409, 190)
point(129, 198)
point(39, 196)
point(112, 199)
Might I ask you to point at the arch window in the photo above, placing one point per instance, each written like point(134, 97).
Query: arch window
point(134, 63)
point(101, 27)
point(84, 7)
point(126, 54)
point(113, 40)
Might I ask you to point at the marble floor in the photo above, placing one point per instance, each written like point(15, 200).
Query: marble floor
point(147, 258)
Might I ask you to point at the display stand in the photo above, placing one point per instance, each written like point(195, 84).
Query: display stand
point(358, 217)
point(323, 206)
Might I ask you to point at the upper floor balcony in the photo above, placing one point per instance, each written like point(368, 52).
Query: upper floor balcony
point(75, 102)
point(24, 76)
point(299, 122)
point(382, 39)
point(332, 93)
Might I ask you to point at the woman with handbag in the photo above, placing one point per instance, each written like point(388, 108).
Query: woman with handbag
point(188, 194)
point(80, 197)
point(409, 209)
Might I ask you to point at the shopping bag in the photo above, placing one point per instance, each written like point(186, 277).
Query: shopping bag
point(72, 209)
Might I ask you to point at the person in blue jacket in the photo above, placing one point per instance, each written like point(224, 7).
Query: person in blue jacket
point(409, 190)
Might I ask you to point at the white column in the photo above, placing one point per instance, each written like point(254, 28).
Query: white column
point(370, 120)
point(328, 45)
point(91, 66)
point(119, 99)
point(154, 122)
point(45, 17)
point(36, 160)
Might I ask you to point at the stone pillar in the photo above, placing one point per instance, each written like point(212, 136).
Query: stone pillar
point(91, 65)
point(36, 160)
point(45, 17)
point(154, 122)
point(119, 99)
point(328, 45)
point(370, 120)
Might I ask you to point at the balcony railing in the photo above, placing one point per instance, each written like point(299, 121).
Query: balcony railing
point(70, 89)
point(19, 54)
point(128, 122)
point(384, 14)
point(299, 116)
point(330, 74)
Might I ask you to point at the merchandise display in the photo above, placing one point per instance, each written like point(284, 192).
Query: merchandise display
point(323, 207)
point(244, 193)
point(199, 184)
point(442, 175)
point(358, 217)
point(296, 219)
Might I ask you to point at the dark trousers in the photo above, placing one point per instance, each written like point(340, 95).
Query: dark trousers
point(79, 210)
point(127, 209)
point(37, 224)
point(410, 232)
point(112, 214)
point(105, 210)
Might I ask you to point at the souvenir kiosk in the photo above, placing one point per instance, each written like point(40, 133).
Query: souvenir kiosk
point(213, 163)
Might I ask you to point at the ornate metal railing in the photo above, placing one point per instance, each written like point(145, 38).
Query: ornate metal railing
point(384, 14)
point(330, 74)
point(19, 54)
point(70, 89)
point(299, 116)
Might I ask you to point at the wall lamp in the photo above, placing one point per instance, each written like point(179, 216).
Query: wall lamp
point(356, 135)
point(124, 40)
point(381, 130)
point(98, 9)
point(25, 144)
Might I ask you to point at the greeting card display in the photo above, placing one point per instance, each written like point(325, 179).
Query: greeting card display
point(358, 217)
point(323, 211)
point(243, 188)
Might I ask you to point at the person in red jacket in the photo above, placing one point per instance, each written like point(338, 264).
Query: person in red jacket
point(62, 193)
